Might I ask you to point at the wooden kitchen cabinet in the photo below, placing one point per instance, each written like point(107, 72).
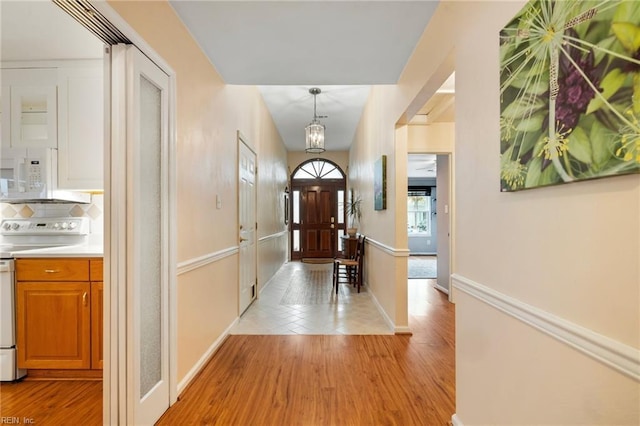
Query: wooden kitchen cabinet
point(59, 313)
point(53, 325)
point(97, 324)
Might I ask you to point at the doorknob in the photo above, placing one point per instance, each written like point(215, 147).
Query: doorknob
point(243, 239)
point(332, 226)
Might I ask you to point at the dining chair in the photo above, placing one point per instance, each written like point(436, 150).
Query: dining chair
point(351, 269)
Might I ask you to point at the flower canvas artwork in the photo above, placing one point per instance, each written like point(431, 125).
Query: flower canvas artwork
point(569, 92)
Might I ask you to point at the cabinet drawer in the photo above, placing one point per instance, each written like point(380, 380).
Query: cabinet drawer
point(95, 270)
point(52, 270)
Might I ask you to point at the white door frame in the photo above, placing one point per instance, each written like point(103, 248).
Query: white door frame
point(115, 356)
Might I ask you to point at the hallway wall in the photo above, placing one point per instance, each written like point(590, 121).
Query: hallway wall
point(570, 252)
point(567, 256)
point(209, 114)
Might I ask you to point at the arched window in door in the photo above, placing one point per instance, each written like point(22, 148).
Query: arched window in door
point(317, 209)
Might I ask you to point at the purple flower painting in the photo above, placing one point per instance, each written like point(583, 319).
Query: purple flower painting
point(569, 92)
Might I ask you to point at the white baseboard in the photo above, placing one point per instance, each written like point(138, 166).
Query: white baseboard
point(442, 289)
point(204, 359)
point(455, 420)
point(621, 357)
point(390, 323)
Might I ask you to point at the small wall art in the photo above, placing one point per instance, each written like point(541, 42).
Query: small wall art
point(380, 184)
point(569, 92)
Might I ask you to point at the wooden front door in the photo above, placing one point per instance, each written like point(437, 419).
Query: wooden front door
point(318, 221)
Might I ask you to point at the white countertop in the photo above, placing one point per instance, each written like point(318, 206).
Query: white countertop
point(80, 250)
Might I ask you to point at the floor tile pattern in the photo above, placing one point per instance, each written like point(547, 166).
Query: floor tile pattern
point(299, 300)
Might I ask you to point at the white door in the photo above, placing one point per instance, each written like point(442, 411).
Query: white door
point(247, 224)
point(142, 231)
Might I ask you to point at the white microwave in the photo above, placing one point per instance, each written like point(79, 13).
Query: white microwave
point(30, 175)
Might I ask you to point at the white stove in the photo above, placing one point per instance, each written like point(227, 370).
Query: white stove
point(18, 235)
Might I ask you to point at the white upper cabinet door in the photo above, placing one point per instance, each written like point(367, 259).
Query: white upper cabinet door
point(5, 116)
point(33, 107)
point(81, 127)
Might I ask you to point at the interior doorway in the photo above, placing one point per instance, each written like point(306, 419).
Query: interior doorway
point(317, 204)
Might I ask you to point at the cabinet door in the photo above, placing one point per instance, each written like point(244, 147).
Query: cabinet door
point(81, 128)
point(34, 117)
point(53, 325)
point(5, 116)
point(97, 348)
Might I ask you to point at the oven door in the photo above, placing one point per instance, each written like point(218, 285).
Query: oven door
point(7, 304)
point(8, 368)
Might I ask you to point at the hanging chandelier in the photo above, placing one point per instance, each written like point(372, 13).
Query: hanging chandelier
point(314, 132)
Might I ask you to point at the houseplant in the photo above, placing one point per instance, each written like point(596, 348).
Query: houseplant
point(353, 209)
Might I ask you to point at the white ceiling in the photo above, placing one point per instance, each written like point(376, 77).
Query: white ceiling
point(287, 47)
point(284, 47)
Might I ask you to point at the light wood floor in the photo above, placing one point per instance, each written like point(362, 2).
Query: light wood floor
point(293, 380)
point(331, 380)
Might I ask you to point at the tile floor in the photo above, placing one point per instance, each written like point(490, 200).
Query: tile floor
point(299, 300)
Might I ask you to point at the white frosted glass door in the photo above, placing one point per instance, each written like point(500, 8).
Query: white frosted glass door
point(147, 240)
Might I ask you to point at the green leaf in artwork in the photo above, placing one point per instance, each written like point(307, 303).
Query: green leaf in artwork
point(601, 140)
point(549, 176)
point(602, 49)
point(530, 124)
point(628, 34)
point(531, 86)
point(534, 171)
point(636, 93)
point(522, 107)
point(610, 84)
point(580, 146)
point(627, 10)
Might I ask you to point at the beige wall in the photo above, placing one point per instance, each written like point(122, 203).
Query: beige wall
point(209, 114)
point(437, 138)
point(570, 252)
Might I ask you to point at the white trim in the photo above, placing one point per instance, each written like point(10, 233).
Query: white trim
point(388, 249)
point(272, 236)
point(455, 420)
point(191, 374)
point(127, 30)
point(616, 355)
point(442, 289)
point(386, 318)
point(199, 262)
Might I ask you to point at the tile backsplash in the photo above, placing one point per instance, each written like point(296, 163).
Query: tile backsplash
point(93, 211)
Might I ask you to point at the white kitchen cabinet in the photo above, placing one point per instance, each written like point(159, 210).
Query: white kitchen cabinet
point(5, 116)
point(80, 127)
point(32, 108)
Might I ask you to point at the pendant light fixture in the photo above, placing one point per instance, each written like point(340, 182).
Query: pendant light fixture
point(314, 132)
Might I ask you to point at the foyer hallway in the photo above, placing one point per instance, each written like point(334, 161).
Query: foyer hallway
point(297, 379)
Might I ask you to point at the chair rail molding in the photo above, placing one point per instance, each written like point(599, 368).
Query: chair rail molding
point(612, 353)
point(199, 262)
point(273, 236)
point(395, 252)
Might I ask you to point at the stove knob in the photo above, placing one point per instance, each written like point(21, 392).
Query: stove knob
point(64, 225)
point(73, 225)
point(56, 225)
point(15, 226)
point(6, 226)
